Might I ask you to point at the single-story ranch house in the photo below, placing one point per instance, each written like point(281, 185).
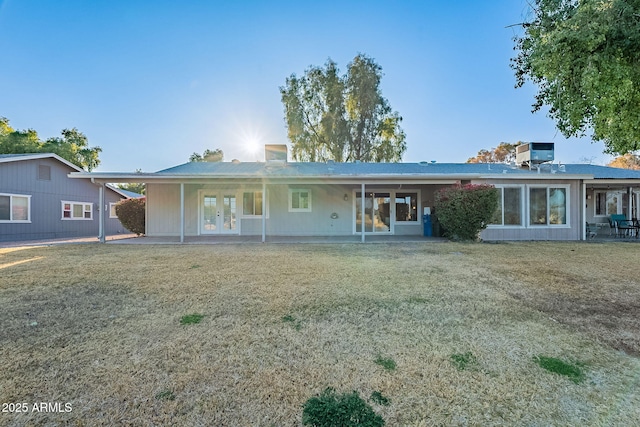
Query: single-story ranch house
point(280, 198)
point(39, 201)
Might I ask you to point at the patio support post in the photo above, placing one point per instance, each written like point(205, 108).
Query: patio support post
point(101, 233)
point(362, 219)
point(584, 210)
point(182, 212)
point(265, 203)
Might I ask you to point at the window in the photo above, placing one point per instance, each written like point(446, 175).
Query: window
point(252, 203)
point(548, 205)
point(112, 210)
point(44, 173)
point(406, 207)
point(15, 208)
point(299, 200)
point(611, 203)
point(77, 211)
point(509, 206)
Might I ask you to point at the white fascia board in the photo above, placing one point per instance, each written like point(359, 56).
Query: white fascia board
point(607, 182)
point(36, 156)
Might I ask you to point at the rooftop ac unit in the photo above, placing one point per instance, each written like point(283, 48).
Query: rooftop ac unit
point(533, 153)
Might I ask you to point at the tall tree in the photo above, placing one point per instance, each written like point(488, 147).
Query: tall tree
point(208, 156)
point(503, 153)
point(342, 118)
point(627, 161)
point(73, 146)
point(584, 56)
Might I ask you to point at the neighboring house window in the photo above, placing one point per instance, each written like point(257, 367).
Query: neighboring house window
point(509, 206)
point(44, 173)
point(406, 207)
point(299, 200)
point(548, 205)
point(15, 208)
point(252, 203)
point(77, 211)
point(112, 210)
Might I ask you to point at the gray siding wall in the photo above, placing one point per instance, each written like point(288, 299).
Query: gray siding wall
point(20, 177)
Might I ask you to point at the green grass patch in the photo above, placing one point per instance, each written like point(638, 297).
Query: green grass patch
point(387, 363)
point(191, 319)
point(165, 395)
point(379, 398)
point(571, 370)
point(330, 409)
point(297, 325)
point(464, 361)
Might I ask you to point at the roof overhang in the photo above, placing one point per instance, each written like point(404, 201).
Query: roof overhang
point(162, 178)
point(36, 156)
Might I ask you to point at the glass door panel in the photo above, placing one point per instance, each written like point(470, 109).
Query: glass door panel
point(377, 212)
point(381, 212)
point(209, 214)
point(229, 215)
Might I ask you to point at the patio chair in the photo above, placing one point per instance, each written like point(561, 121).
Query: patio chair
point(592, 231)
point(613, 223)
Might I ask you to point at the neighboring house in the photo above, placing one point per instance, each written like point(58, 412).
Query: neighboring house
point(39, 201)
point(277, 198)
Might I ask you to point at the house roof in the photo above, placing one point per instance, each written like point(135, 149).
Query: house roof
point(6, 158)
point(304, 169)
point(128, 194)
point(336, 171)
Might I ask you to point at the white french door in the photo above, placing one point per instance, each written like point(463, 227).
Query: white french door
point(218, 212)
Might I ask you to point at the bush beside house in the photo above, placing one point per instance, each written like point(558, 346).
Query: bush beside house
point(465, 210)
point(131, 213)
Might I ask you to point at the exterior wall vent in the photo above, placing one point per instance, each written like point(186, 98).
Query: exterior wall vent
point(534, 153)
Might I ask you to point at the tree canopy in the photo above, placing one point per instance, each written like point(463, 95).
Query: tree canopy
point(584, 56)
point(72, 146)
point(627, 161)
point(503, 153)
point(342, 118)
point(208, 156)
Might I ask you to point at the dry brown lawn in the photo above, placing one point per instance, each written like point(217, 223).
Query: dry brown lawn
point(98, 327)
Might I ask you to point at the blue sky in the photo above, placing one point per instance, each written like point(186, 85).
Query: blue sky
point(153, 81)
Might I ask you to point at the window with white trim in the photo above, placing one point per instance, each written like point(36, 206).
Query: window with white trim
point(252, 203)
point(112, 210)
point(299, 200)
point(510, 210)
point(406, 206)
point(15, 208)
point(611, 203)
point(548, 205)
point(77, 211)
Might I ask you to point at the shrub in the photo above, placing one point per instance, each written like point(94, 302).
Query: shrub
point(344, 410)
point(131, 213)
point(465, 210)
